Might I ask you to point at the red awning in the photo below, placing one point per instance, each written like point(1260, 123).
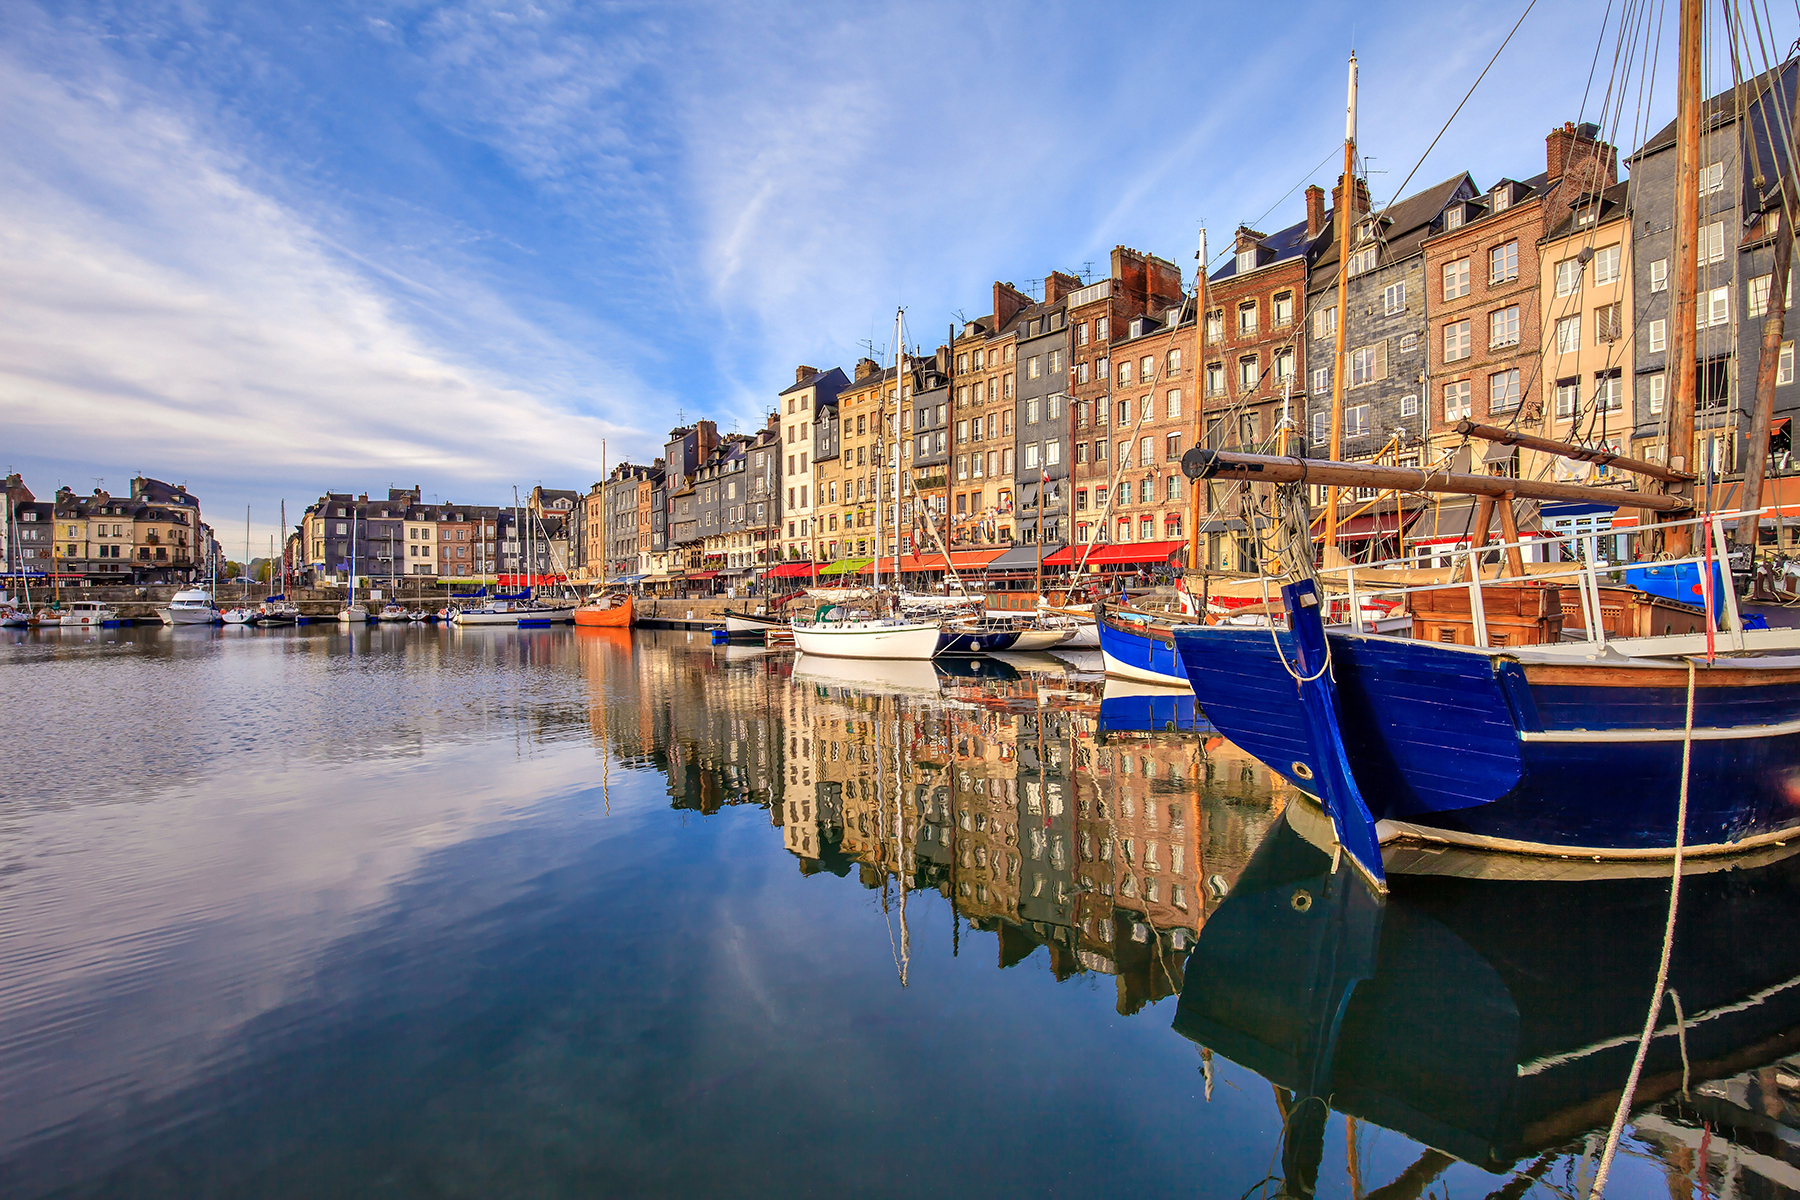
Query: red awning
point(791, 571)
point(701, 575)
point(1115, 553)
point(974, 560)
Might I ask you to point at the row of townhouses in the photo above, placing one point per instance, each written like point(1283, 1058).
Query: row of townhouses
point(1052, 428)
point(1054, 425)
point(152, 535)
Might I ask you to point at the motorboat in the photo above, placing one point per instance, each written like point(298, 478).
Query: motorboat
point(241, 614)
point(277, 610)
point(88, 614)
point(191, 606)
point(12, 618)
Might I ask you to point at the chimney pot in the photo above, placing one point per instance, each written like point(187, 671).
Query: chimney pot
point(1315, 210)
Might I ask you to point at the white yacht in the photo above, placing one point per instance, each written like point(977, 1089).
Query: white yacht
point(836, 633)
point(191, 606)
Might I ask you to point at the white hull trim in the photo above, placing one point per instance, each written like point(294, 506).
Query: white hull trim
point(486, 619)
point(1710, 734)
point(1042, 639)
point(190, 616)
point(868, 639)
point(1121, 670)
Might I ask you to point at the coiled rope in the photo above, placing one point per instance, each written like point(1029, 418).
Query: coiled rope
point(1662, 970)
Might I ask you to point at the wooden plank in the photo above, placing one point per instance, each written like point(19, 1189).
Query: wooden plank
point(1603, 458)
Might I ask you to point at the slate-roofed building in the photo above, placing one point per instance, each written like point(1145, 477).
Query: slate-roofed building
point(801, 406)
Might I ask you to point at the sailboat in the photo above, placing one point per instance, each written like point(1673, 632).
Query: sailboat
point(839, 631)
point(1568, 750)
point(353, 613)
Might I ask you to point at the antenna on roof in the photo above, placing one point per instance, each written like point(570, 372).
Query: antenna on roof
point(1087, 272)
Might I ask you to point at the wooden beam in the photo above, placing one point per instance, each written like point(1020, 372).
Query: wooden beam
point(1200, 463)
point(1509, 529)
point(1604, 458)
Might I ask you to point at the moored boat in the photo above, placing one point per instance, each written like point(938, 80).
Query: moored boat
point(392, 612)
point(836, 633)
point(616, 611)
point(191, 606)
point(1139, 645)
point(976, 635)
point(88, 614)
point(354, 614)
point(241, 614)
point(751, 627)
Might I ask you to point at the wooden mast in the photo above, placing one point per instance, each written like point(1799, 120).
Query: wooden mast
point(1345, 217)
point(1762, 418)
point(1193, 561)
point(1569, 450)
point(1683, 337)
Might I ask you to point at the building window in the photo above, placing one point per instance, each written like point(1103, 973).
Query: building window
point(1653, 393)
point(1215, 379)
point(1100, 328)
point(1321, 380)
point(1608, 320)
point(1568, 277)
point(1609, 392)
point(1246, 260)
point(1125, 373)
point(1453, 217)
point(1456, 341)
point(1173, 448)
point(1503, 263)
point(1146, 369)
point(1503, 391)
point(1215, 326)
point(1172, 404)
point(1324, 323)
point(1714, 309)
point(1282, 310)
point(1456, 279)
point(1321, 429)
point(1784, 365)
point(1606, 266)
point(1356, 421)
point(1409, 405)
point(1457, 400)
point(1368, 364)
point(1363, 261)
point(1503, 328)
point(1757, 302)
point(1712, 243)
point(1659, 275)
point(1081, 372)
point(1393, 298)
point(1568, 398)
point(1568, 335)
point(1712, 179)
point(1284, 365)
point(1658, 335)
point(1249, 373)
point(1246, 319)
point(1172, 366)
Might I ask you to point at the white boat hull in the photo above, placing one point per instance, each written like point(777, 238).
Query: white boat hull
point(868, 639)
point(474, 618)
point(354, 615)
point(1121, 670)
point(87, 620)
point(191, 616)
point(239, 616)
point(1043, 639)
point(738, 624)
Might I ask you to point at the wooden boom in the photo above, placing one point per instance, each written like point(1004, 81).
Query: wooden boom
point(1604, 458)
point(1201, 463)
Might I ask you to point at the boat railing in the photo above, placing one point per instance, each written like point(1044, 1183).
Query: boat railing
point(1585, 571)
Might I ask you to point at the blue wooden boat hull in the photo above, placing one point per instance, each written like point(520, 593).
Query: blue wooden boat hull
point(1479, 749)
point(1140, 652)
point(982, 642)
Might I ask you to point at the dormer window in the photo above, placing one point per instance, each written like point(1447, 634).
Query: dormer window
point(1502, 197)
point(1366, 231)
point(1453, 217)
point(1363, 260)
point(1246, 260)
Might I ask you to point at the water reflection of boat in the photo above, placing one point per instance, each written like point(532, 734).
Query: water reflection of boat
point(964, 667)
point(1130, 706)
point(867, 674)
point(1490, 1020)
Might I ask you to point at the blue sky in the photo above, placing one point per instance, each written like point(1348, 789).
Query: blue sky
point(274, 248)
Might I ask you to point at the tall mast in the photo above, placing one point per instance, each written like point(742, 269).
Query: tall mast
point(1683, 337)
point(604, 520)
point(1199, 425)
point(880, 426)
point(1345, 218)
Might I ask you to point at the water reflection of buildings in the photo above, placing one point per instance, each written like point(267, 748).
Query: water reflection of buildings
point(1046, 819)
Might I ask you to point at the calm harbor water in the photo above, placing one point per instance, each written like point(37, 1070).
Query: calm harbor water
point(419, 912)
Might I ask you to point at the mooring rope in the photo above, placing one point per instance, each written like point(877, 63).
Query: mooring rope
point(1662, 970)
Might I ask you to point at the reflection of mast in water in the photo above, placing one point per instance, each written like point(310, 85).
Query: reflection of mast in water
point(902, 952)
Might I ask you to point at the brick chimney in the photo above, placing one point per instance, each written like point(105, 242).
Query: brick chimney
point(1315, 210)
point(866, 367)
point(1058, 285)
point(1579, 164)
point(801, 373)
point(943, 360)
point(706, 439)
point(1361, 203)
point(1009, 302)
